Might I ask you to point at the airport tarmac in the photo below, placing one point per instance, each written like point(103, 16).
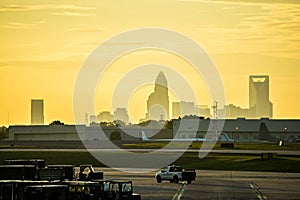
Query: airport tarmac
point(251, 152)
point(215, 185)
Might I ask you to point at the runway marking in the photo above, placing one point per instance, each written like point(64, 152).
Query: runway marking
point(180, 191)
point(259, 194)
point(232, 184)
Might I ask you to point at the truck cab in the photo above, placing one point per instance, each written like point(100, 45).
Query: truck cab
point(87, 173)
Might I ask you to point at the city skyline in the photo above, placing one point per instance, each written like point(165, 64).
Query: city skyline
point(43, 46)
point(258, 94)
point(159, 106)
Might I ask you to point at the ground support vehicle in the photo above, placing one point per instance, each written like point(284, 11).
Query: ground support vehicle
point(15, 189)
point(175, 174)
point(39, 163)
point(46, 192)
point(122, 190)
point(87, 173)
point(29, 179)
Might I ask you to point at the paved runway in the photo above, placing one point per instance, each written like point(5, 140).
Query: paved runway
point(216, 185)
point(252, 152)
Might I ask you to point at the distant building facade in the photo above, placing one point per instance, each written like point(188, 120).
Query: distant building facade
point(158, 101)
point(37, 111)
point(233, 112)
point(204, 111)
point(46, 132)
point(93, 119)
point(80, 132)
point(241, 129)
point(183, 108)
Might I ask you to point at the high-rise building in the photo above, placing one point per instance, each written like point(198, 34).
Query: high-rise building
point(93, 119)
point(122, 115)
point(259, 103)
point(232, 111)
point(204, 111)
point(37, 111)
point(158, 101)
point(183, 108)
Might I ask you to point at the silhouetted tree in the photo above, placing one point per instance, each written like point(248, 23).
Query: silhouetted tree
point(169, 124)
point(107, 124)
point(116, 135)
point(3, 133)
point(56, 122)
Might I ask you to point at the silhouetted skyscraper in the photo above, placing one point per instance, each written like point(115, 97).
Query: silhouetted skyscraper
point(37, 111)
point(259, 103)
point(158, 101)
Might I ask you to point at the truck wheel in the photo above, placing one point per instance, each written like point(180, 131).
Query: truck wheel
point(158, 179)
point(175, 179)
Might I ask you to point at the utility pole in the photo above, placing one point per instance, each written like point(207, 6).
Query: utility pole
point(215, 122)
point(7, 118)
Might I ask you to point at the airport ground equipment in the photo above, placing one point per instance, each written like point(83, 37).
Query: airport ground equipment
point(15, 189)
point(18, 172)
point(29, 179)
point(46, 192)
point(35, 169)
point(122, 190)
point(39, 163)
point(175, 174)
point(67, 190)
point(87, 173)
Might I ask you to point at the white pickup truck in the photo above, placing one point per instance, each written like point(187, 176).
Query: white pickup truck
point(175, 174)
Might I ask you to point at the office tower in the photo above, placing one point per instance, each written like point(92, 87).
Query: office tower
point(233, 112)
point(183, 108)
point(259, 103)
point(93, 119)
point(37, 111)
point(204, 111)
point(121, 115)
point(158, 101)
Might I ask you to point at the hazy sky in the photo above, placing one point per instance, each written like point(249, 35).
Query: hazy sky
point(43, 45)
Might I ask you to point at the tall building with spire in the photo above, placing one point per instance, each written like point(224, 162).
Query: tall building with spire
point(259, 102)
point(158, 101)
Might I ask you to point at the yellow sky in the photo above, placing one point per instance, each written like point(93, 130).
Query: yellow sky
point(43, 45)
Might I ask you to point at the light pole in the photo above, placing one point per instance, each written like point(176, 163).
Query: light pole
point(236, 129)
point(285, 133)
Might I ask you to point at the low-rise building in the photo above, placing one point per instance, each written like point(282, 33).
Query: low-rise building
point(240, 130)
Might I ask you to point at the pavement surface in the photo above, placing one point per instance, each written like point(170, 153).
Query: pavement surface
point(252, 152)
point(215, 185)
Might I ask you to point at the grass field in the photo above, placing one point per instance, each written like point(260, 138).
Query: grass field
point(239, 163)
point(187, 160)
point(237, 145)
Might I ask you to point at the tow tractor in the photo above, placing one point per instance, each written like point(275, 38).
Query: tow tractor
point(87, 173)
